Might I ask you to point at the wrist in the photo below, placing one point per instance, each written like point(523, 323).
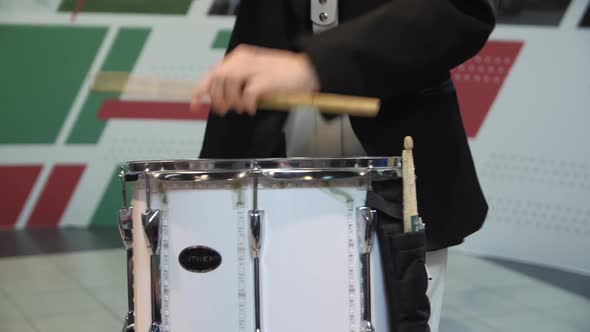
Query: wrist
point(312, 79)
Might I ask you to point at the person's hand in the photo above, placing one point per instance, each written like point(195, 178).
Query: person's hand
point(248, 73)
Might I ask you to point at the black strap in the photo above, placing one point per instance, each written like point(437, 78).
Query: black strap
point(391, 209)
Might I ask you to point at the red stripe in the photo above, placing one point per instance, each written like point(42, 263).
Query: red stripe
point(122, 109)
point(56, 196)
point(480, 79)
point(16, 183)
point(78, 8)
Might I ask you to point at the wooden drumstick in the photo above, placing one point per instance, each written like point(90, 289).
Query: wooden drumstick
point(410, 208)
point(324, 102)
point(153, 87)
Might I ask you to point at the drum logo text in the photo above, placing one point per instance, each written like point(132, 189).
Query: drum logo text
point(199, 259)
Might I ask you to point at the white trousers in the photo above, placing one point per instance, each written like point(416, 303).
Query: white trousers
point(436, 265)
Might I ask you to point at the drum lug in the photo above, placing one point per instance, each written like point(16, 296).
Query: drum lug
point(255, 248)
point(256, 236)
point(368, 327)
point(367, 223)
point(256, 232)
point(125, 218)
point(367, 226)
point(150, 220)
point(129, 323)
point(126, 226)
point(151, 226)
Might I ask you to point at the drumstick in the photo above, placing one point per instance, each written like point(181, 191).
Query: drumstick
point(154, 87)
point(410, 208)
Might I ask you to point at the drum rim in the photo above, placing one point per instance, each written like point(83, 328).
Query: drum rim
point(285, 164)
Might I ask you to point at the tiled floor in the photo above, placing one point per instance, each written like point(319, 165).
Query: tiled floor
point(485, 296)
point(86, 291)
point(64, 292)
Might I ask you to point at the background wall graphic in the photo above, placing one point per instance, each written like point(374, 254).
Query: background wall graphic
point(525, 101)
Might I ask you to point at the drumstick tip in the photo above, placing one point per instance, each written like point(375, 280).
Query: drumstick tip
point(408, 143)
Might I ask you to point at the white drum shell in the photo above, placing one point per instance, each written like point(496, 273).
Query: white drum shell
point(310, 271)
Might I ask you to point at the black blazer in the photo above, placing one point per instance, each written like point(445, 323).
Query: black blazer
point(400, 51)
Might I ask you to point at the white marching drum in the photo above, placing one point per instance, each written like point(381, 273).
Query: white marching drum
point(277, 245)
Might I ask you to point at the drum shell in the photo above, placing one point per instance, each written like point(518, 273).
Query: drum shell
point(317, 206)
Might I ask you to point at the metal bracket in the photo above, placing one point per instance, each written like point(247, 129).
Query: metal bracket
point(324, 14)
point(256, 244)
point(150, 220)
point(125, 224)
point(256, 232)
point(125, 215)
point(367, 220)
point(367, 226)
point(151, 226)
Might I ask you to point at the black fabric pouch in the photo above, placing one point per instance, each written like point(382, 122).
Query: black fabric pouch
point(403, 260)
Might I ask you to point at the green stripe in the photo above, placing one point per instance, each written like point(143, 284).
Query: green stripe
point(126, 49)
point(180, 7)
point(122, 57)
point(41, 71)
point(110, 203)
point(221, 40)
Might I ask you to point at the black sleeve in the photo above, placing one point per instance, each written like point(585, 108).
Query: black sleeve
point(400, 46)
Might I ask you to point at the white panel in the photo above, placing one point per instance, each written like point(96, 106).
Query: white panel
point(306, 260)
point(209, 300)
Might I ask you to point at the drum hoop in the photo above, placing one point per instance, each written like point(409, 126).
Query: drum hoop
point(265, 165)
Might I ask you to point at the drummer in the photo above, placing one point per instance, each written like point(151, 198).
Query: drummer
point(399, 51)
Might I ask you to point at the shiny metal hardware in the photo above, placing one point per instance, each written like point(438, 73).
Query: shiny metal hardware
point(151, 227)
point(200, 176)
point(256, 245)
point(418, 225)
point(290, 169)
point(311, 175)
point(125, 215)
point(201, 165)
point(324, 14)
point(129, 324)
point(334, 164)
point(123, 186)
point(326, 169)
point(370, 175)
point(211, 169)
point(156, 325)
point(150, 220)
point(367, 226)
point(125, 218)
point(367, 229)
point(367, 327)
point(255, 232)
